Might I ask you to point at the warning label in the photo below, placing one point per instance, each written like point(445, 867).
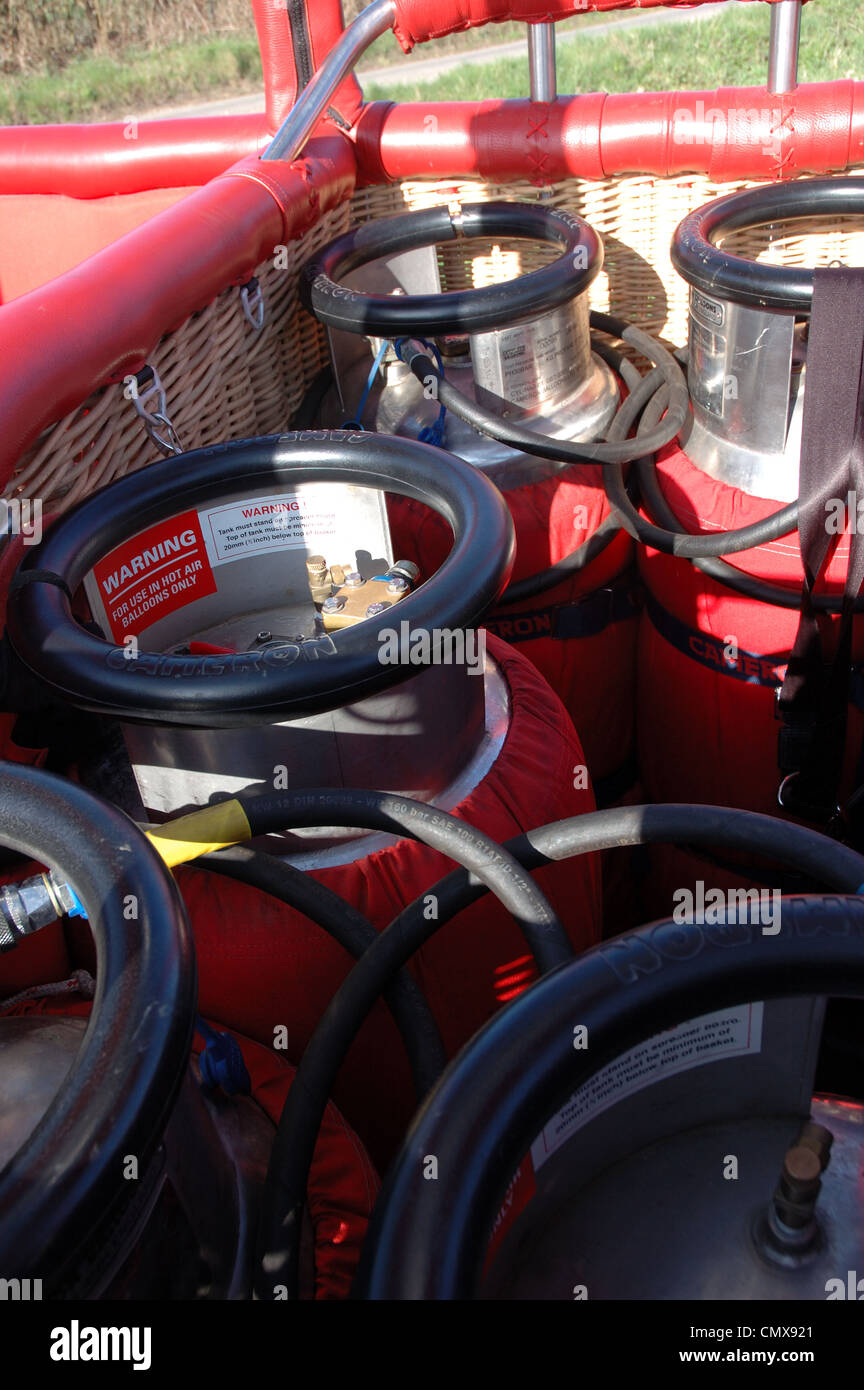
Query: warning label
point(173, 563)
point(727, 1033)
point(285, 522)
point(158, 571)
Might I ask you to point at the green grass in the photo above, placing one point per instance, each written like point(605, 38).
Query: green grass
point(101, 87)
point(117, 83)
point(728, 50)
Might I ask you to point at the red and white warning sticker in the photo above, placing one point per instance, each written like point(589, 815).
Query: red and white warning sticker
point(172, 563)
point(153, 574)
point(314, 515)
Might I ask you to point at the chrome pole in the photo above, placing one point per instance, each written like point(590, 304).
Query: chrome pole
point(783, 50)
point(541, 59)
point(301, 120)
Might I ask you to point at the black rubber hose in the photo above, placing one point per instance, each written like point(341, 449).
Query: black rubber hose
point(578, 560)
point(62, 1196)
point(561, 450)
point(278, 1254)
point(290, 680)
point(656, 505)
point(306, 415)
point(829, 862)
point(623, 421)
point(427, 1240)
point(355, 933)
point(627, 370)
point(268, 812)
point(659, 510)
point(683, 543)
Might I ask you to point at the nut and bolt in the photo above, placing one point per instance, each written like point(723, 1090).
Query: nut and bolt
point(333, 605)
point(353, 580)
point(375, 608)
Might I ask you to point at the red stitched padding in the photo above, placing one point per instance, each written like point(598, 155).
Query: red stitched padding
point(420, 20)
point(703, 735)
point(262, 966)
point(593, 675)
point(113, 157)
point(343, 1182)
point(730, 133)
point(324, 25)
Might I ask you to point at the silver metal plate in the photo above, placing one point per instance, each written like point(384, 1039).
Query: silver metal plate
point(747, 399)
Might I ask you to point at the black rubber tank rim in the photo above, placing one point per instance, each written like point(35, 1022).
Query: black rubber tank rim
point(722, 275)
point(454, 311)
point(63, 1194)
point(289, 680)
point(427, 1240)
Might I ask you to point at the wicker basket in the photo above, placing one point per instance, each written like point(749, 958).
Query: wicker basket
point(225, 381)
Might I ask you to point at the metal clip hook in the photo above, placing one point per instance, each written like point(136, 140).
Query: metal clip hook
point(141, 388)
point(252, 299)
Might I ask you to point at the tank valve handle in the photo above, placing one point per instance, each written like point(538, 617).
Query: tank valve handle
point(320, 584)
point(791, 1228)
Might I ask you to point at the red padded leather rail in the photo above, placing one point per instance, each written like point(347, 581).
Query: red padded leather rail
point(294, 33)
point(731, 133)
point(98, 161)
point(420, 20)
point(98, 322)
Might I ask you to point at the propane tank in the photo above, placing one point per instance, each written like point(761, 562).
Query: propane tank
point(651, 1184)
point(697, 1163)
point(533, 365)
point(203, 645)
point(192, 1235)
point(666, 1223)
point(711, 660)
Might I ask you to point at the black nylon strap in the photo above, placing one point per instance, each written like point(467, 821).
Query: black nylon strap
point(813, 699)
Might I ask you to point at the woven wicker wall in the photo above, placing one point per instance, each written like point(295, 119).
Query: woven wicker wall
point(222, 381)
point(636, 218)
point(225, 382)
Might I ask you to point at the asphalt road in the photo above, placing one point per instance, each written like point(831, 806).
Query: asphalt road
point(423, 69)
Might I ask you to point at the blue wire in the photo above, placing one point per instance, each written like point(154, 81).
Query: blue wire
point(370, 381)
point(430, 434)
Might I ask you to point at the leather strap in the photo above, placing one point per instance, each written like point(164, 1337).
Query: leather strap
point(812, 702)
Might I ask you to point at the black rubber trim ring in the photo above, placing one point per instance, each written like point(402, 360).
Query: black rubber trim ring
point(290, 680)
point(427, 1240)
point(21, 578)
point(468, 311)
point(65, 1184)
point(721, 275)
